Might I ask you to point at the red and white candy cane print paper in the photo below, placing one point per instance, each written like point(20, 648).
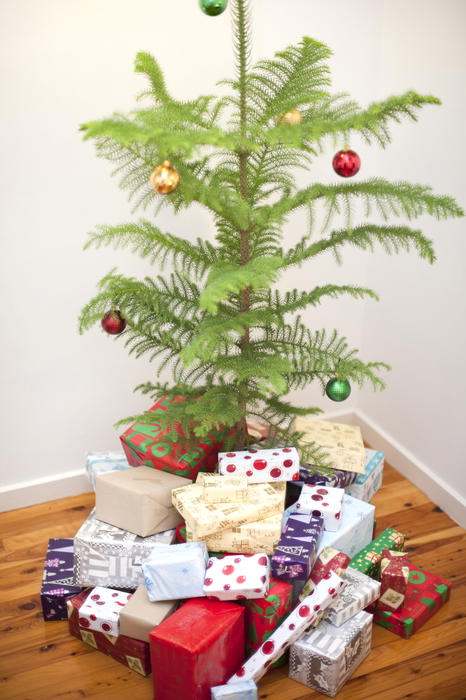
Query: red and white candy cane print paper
point(237, 577)
point(291, 629)
point(278, 464)
point(322, 500)
point(101, 610)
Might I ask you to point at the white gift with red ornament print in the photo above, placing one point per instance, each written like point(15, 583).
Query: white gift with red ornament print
point(237, 577)
point(101, 610)
point(278, 464)
point(322, 500)
point(293, 628)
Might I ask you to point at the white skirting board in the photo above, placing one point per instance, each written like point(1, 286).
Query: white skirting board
point(29, 493)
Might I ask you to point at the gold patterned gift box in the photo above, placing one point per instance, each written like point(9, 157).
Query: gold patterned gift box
point(342, 443)
point(223, 489)
point(203, 519)
point(250, 538)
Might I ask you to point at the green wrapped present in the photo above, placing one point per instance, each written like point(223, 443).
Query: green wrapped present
point(368, 560)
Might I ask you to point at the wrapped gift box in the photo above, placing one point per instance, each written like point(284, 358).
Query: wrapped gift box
point(264, 615)
point(101, 610)
point(366, 485)
point(144, 443)
point(368, 560)
point(105, 555)
point(425, 594)
point(104, 463)
point(342, 443)
point(329, 559)
point(176, 571)
point(326, 657)
point(325, 476)
point(260, 465)
point(240, 691)
point(297, 549)
point(130, 652)
point(140, 615)
point(138, 500)
point(237, 577)
point(322, 501)
point(205, 519)
point(250, 538)
point(356, 527)
point(360, 592)
point(57, 579)
point(196, 648)
point(223, 489)
point(297, 622)
point(180, 534)
point(394, 572)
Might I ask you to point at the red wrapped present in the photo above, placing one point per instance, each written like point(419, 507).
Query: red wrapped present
point(394, 570)
point(425, 594)
point(144, 443)
point(264, 615)
point(201, 645)
point(130, 652)
point(180, 533)
point(329, 559)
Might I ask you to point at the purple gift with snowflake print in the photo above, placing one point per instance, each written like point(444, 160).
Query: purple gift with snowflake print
point(57, 579)
point(296, 552)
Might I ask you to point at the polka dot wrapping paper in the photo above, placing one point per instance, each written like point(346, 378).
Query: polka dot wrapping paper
point(239, 577)
point(278, 464)
point(322, 501)
point(101, 611)
point(295, 625)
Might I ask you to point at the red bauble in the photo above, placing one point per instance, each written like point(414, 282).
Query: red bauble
point(346, 163)
point(113, 322)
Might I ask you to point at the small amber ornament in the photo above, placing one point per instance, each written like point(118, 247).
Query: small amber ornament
point(290, 118)
point(164, 178)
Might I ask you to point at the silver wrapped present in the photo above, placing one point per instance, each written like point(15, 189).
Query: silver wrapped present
point(360, 591)
point(104, 555)
point(326, 657)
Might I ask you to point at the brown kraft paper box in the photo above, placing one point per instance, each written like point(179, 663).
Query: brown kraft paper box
point(138, 500)
point(139, 616)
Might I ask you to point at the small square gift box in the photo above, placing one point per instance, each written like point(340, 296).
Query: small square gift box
point(176, 571)
point(322, 501)
point(101, 610)
point(366, 485)
point(326, 657)
point(104, 463)
point(296, 551)
point(223, 489)
point(237, 577)
point(197, 648)
point(277, 464)
point(394, 573)
point(138, 500)
point(360, 592)
point(368, 560)
point(329, 560)
point(247, 690)
point(294, 626)
point(140, 615)
point(57, 579)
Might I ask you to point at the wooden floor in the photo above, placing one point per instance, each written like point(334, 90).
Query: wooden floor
point(40, 660)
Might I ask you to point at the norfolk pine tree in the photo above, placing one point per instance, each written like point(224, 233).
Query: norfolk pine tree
point(232, 341)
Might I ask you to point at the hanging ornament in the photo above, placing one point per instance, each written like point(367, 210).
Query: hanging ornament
point(346, 163)
point(164, 178)
point(213, 7)
point(113, 322)
point(338, 389)
point(290, 118)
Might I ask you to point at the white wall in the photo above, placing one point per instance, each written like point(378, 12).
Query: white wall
point(67, 62)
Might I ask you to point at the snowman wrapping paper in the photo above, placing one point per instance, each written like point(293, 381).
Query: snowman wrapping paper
point(278, 464)
point(242, 577)
point(322, 500)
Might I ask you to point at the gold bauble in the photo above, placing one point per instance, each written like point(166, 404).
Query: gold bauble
point(164, 178)
point(292, 117)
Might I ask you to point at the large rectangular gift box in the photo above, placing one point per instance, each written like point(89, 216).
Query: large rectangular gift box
point(260, 465)
point(360, 592)
point(342, 444)
point(105, 555)
point(176, 571)
point(326, 657)
point(425, 594)
point(57, 579)
point(130, 652)
point(138, 500)
point(196, 648)
point(249, 538)
point(140, 615)
point(368, 559)
point(366, 485)
point(104, 463)
point(223, 489)
point(205, 519)
point(144, 443)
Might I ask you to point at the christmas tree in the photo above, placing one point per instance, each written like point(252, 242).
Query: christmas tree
point(226, 332)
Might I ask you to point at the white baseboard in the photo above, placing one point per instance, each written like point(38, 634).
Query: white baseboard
point(28, 493)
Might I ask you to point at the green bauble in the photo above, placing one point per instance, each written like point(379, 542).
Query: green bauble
point(338, 389)
point(213, 7)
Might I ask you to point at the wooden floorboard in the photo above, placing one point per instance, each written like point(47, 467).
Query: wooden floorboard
point(41, 660)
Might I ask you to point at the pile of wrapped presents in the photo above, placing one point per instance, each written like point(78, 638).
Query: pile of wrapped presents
point(208, 568)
